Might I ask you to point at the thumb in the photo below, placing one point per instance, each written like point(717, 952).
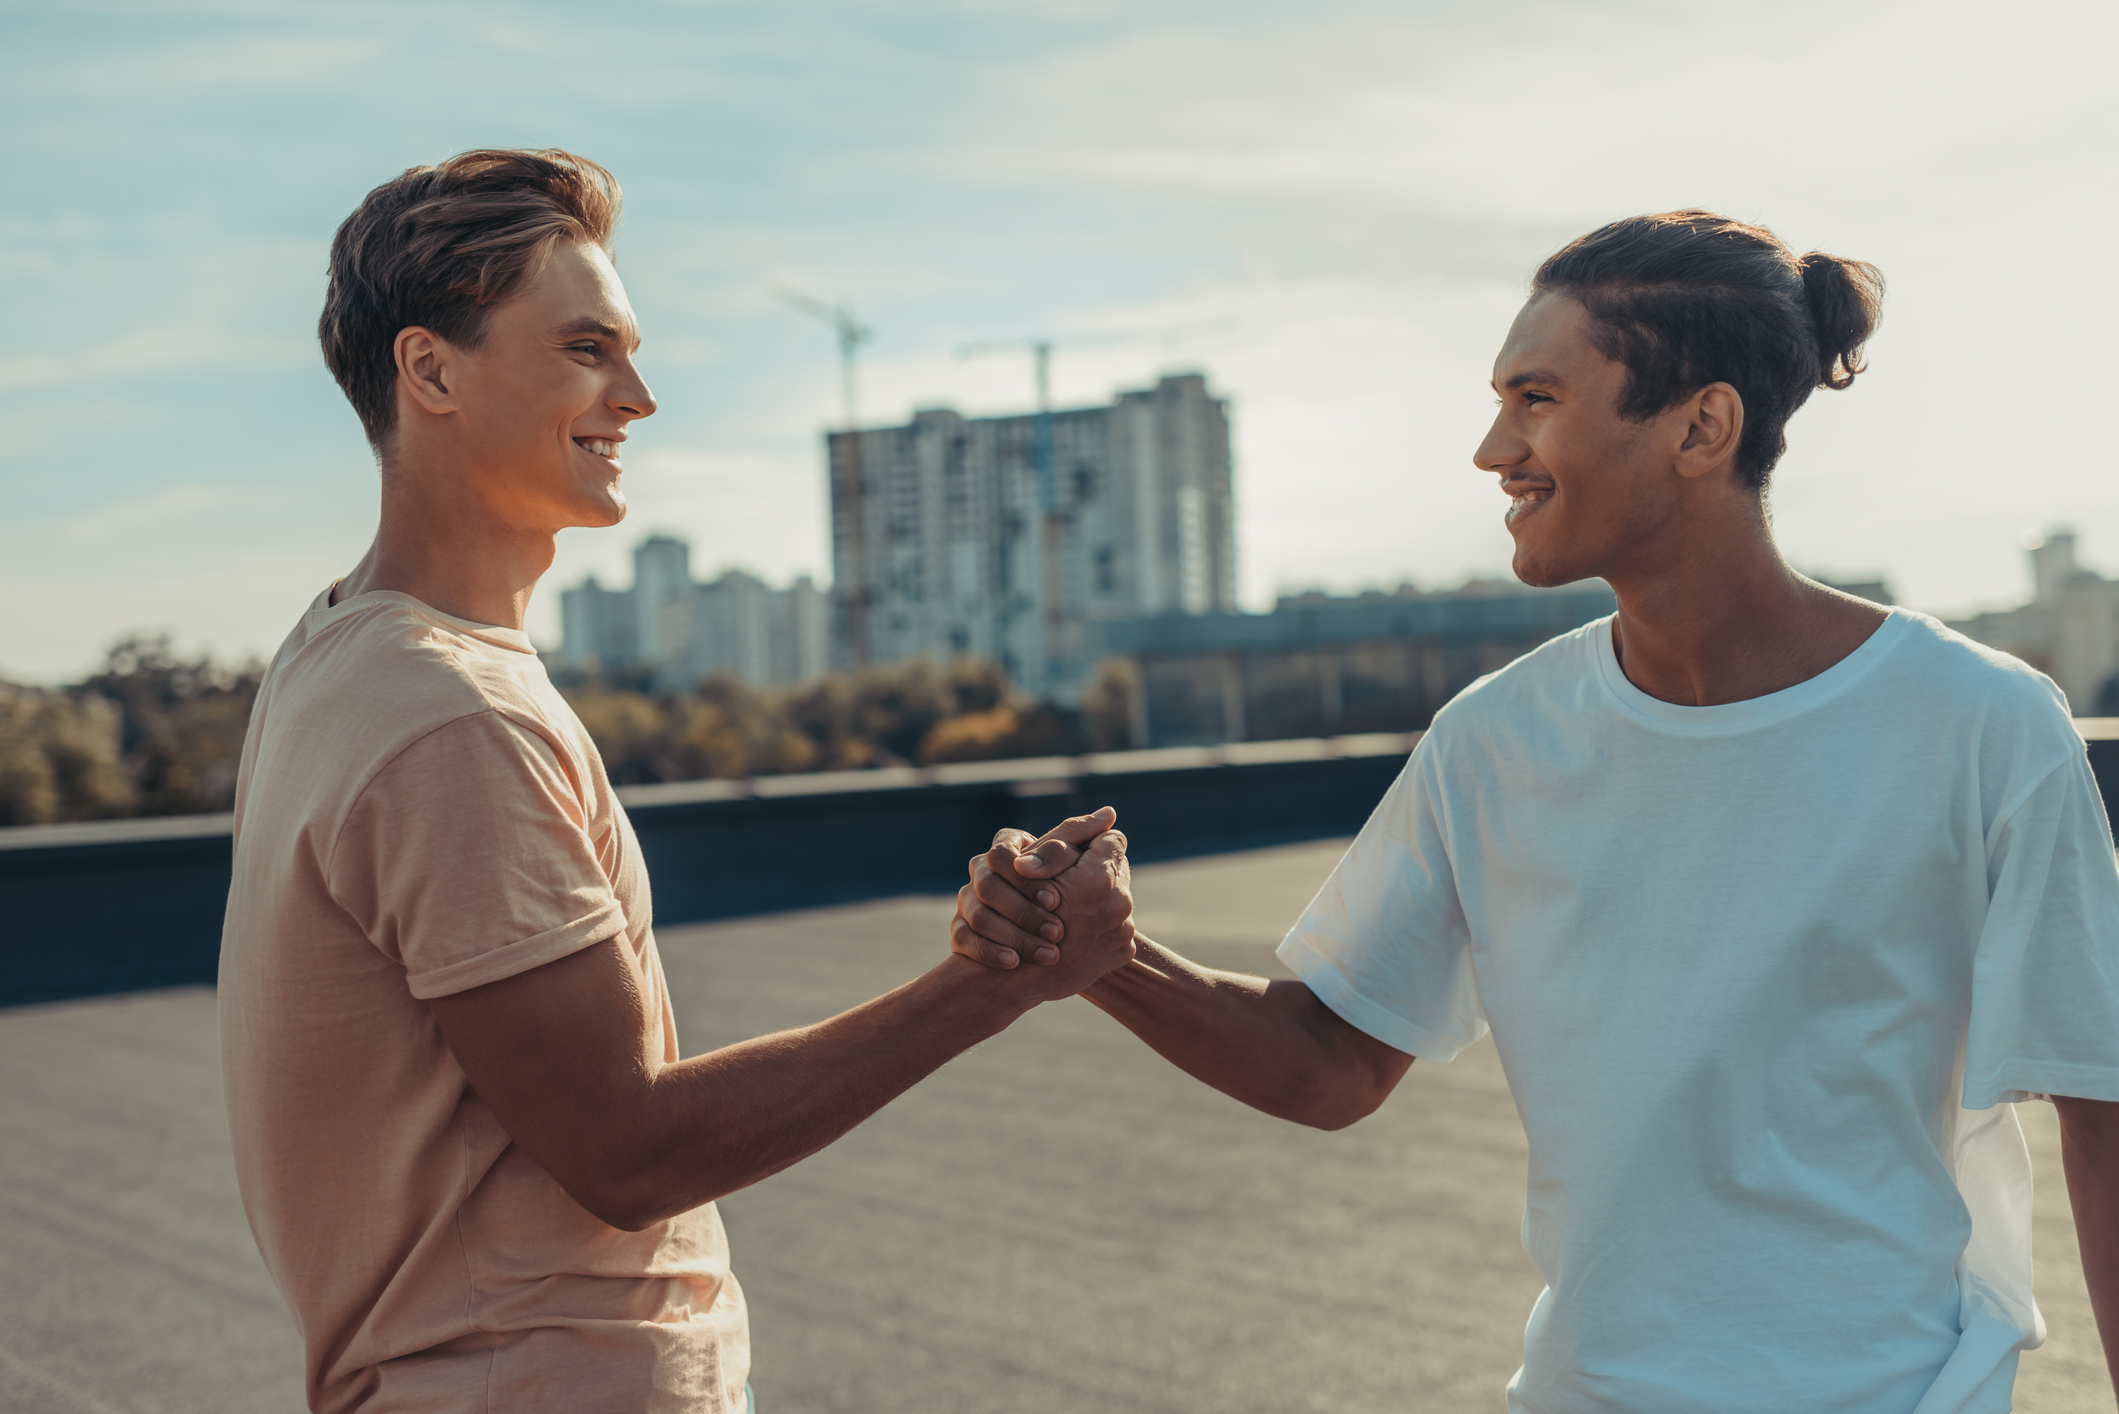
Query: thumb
point(1057, 850)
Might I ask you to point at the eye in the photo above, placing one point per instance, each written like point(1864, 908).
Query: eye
point(1530, 397)
point(590, 349)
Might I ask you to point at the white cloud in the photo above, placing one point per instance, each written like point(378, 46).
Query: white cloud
point(157, 510)
point(1396, 182)
point(148, 352)
point(238, 606)
point(1334, 217)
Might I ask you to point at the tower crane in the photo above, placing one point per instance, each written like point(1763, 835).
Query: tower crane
point(851, 335)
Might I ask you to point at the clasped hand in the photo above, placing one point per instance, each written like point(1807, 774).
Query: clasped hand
point(1063, 900)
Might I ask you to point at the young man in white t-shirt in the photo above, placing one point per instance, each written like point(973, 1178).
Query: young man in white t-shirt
point(1774, 900)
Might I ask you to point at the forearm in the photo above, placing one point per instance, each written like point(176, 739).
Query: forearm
point(2089, 1148)
point(1272, 1045)
point(709, 1125)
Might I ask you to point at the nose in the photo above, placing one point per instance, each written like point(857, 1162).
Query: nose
point(630, 396)
point(1500, 449)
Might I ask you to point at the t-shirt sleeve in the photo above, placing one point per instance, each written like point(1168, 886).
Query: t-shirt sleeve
point(1385, 943)
point(2045, 981)
point(467, 858)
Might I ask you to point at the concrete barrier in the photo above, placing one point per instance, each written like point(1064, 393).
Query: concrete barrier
point(128, 905)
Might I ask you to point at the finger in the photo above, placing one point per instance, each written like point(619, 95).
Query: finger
point(996, 929)
point(996, 867)
point(1012, 839)
point(965, 943)
point(1061, 846)
point(1005, 896)
point(1100, 890)
point(1106, 850)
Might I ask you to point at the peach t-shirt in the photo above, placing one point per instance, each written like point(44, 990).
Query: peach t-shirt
point(419, 812)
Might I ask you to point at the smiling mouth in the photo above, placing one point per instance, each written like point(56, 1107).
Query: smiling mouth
point(1525, 502)
point(602, 447)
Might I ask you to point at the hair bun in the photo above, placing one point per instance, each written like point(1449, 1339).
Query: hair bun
point(1846, 297)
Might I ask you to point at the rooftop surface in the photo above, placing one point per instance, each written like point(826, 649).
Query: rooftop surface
point(1056, 1222)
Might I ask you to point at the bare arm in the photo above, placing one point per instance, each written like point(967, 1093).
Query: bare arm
point(1272, 1045)
point(570, 1062)
point(2089, 1151)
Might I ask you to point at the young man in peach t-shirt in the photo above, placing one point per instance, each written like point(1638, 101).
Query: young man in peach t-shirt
point(468, 1147)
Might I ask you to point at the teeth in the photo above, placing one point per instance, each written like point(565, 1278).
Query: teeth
point(602, 447)
point(1524, 500)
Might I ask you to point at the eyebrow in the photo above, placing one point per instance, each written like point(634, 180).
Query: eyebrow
point(1535, 375)
point(575, 328)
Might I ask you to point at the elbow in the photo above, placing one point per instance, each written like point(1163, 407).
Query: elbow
point(614, 1207)
point(1340, 1116)
point(628, 1202)
point(635, 1202)
point(627, 1219)
point(1328, 1102)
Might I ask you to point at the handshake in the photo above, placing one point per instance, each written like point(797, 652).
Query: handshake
point(1063, 902)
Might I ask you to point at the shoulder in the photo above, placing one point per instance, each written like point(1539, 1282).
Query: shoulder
point(1949, 688)
point(385, 667)
point(360, 684)
point(1956, 674)
point(1548, 676)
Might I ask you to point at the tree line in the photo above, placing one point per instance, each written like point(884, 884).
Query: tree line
point(155, 733)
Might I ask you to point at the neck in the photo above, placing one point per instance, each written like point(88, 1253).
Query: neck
point(1722, 618)
point(450, 549)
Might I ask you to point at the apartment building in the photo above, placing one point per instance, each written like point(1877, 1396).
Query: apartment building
point(680, 632)
point(1009, 537)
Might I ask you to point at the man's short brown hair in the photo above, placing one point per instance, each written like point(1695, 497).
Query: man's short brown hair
point(438, 247)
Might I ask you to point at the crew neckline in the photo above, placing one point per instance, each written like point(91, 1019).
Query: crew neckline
point(514, 640)
point(1730, 718)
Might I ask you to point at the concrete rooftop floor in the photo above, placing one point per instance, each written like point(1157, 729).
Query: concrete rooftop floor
point(1057, 1221)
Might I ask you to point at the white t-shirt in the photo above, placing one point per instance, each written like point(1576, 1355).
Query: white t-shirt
point(1764, 978)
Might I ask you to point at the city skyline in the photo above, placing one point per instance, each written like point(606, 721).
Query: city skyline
point(1329, 209)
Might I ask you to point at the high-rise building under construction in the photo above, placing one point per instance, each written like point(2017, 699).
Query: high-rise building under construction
point(1007, 536)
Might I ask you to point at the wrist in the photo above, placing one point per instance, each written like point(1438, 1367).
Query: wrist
point(985, 999)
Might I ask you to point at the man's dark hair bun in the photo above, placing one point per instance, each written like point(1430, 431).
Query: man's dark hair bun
point(1688, 298)
point(1845, 298)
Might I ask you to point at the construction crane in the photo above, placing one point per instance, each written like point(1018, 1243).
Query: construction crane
point(851, 486)
point(851, 335)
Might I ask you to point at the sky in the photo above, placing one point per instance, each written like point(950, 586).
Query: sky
point(1331, 208)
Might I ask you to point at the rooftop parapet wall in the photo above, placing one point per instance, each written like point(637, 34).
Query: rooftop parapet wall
point(135, 904)
point(130, 905)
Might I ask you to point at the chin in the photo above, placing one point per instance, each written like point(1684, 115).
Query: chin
point(1544, 571)
point(601, 509)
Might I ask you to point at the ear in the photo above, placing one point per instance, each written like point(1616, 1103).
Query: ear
point(1714, 425)
point(424, 362)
